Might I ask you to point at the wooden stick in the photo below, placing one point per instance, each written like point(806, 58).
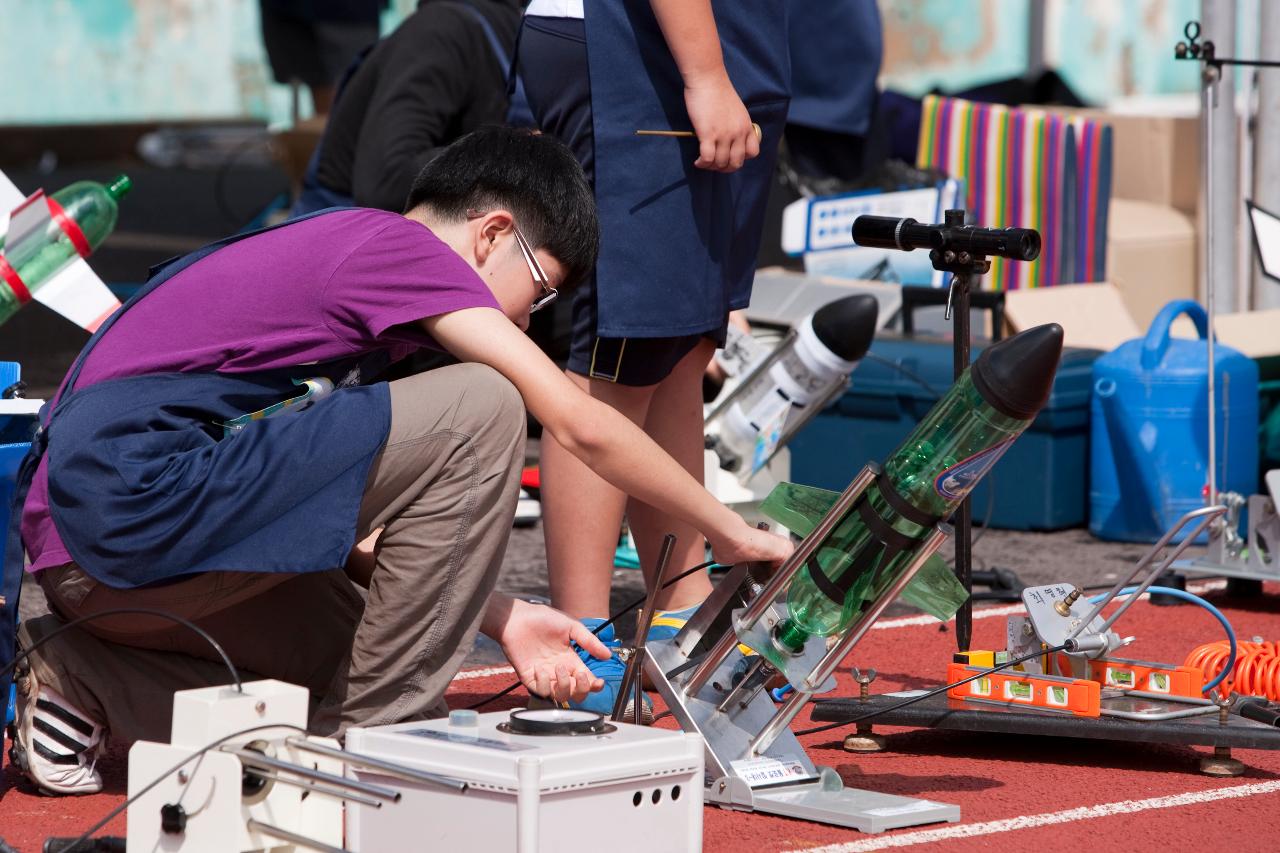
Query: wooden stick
point(687, 134)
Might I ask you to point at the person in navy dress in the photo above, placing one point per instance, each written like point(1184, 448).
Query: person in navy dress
point(680, 223)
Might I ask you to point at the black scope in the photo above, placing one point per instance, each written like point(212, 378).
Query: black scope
point(889, 232)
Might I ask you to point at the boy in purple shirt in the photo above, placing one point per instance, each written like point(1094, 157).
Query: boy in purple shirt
point(159, 488)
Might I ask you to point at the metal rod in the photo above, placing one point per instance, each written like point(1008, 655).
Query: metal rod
point(782, 577)
point(388, 768)
point(635, 664)
point(841, 649)
point(785, 714)
point(742, 685)
point(761, 366)
point(1210, 511)
point(1155, 573)
point(1208, 100)
point(257, 759)
point(963, 517)
point(276, 832)
point(316, 788)
point(688, 637)
point(762, 741)
point(810, 544)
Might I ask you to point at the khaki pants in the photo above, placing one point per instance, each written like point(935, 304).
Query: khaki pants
point(443, 490)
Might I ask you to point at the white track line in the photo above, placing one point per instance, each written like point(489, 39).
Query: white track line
point(992, 827)
point(483, 673)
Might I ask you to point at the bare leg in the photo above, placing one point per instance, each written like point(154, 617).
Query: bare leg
point(582, 514)
point(675, 422)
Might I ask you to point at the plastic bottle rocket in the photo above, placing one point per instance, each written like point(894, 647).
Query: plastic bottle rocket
point(82, 215)
point(818, 360)
point(938, 464)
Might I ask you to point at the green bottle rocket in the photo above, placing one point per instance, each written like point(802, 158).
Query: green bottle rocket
point(938, 464)
point(82, 215)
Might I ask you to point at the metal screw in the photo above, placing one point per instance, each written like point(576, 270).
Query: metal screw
point(1221, 763)
point(183, 777)
point(864, 682)
point(260, 707)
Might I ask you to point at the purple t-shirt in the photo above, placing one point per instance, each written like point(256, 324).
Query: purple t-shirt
point(334, 286)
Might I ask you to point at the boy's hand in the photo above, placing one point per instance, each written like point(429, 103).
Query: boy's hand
point(745, 543)
point(535, 638)
point(726, 137)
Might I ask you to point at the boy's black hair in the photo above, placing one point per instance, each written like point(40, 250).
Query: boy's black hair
point(532, 175)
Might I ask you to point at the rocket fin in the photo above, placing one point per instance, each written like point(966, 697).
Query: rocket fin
point(78, 294)
point(934, 589)
point(798, 508)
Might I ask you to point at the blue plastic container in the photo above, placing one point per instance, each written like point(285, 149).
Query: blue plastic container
point(1039, 484)
point(10, 457)
point(1149, 461)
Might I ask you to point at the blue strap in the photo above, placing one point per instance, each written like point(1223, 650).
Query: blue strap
point(490, 33)
point(14, 565)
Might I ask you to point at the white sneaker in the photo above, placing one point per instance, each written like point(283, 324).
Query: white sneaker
point(55, 743)
point(528, 510)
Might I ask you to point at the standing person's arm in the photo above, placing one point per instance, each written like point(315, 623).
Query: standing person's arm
point(720, 120)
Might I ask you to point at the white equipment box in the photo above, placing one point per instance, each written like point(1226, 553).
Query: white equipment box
point(538, 781)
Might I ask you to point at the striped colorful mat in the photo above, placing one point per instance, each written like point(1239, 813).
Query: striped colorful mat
point(1031, 169)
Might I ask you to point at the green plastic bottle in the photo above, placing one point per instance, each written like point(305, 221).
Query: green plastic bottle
point(947, 454)
point(90, 210)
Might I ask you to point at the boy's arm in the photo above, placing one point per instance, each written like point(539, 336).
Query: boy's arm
point(610, 444)
point(720, 121)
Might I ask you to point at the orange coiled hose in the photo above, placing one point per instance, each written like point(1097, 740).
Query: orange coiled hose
point(1257, 669)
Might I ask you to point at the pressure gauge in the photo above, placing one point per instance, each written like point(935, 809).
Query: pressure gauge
point(555, 721)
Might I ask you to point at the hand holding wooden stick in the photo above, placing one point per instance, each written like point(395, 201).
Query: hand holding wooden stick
point(688, 134)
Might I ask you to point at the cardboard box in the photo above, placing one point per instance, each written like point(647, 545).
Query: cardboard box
point(1092, 316)
point(1156, 157)
point(293, 148)
point(1152, 256)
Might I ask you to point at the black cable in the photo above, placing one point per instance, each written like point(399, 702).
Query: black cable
point(596, 631)
point(934, 692)
point(72, 848)
point(119, 611)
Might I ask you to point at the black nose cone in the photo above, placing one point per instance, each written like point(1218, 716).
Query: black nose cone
point(1016, 375)
point(847, 326)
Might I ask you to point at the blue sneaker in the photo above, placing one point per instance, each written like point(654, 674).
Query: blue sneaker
point(611, 671)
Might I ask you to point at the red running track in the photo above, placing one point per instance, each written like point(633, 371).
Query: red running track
point(1019, 792)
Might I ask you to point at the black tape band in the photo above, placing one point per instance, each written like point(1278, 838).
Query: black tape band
point(902, 507)
point(882, 530)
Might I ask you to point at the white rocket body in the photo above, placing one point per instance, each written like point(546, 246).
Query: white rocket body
point(782, 389)
point(805, 373)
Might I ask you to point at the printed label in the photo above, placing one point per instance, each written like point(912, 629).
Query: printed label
point(482, 742)
point(767, 771)
point(768, 436)
point(957, 481)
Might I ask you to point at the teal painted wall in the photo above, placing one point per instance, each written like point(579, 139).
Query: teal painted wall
point(68, 61)
point(126, 60)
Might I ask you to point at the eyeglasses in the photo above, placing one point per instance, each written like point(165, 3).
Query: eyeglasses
point(549, 293)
